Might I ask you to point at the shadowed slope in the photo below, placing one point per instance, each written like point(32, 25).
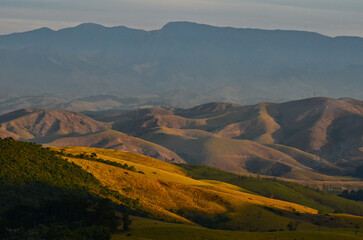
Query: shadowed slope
point(304, 139)
point(196, 146)
point(66, 128)
point(328, 130)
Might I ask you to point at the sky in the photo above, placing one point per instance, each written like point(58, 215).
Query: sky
point(329, 17)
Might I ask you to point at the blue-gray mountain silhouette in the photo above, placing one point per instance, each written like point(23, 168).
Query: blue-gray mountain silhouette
point(188, 63)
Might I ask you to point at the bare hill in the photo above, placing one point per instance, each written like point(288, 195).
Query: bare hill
point(66, 128)
point(235, 155)
point(111, 139)
point(325, 133)
point(304, 139)
point(329, 128)
point(30, 124)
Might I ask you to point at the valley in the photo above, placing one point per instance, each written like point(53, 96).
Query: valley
point(223, 170)
point(299, 140)
point(184, 197)
point(181, 120)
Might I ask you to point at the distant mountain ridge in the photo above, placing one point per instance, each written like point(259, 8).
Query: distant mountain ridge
point(193, 63)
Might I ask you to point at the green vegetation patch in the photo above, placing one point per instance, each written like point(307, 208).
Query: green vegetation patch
point(93, 157)
point(30, 174)
point(291, 192)
point(151, 229)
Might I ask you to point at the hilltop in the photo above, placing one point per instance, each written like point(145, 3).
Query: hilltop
point(318, 133)
point(308, 139)
point(47, 124)
point(67, 128)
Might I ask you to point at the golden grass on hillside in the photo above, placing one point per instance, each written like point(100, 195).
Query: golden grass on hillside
point(161, 197)
point(224, 185)
point(168, 194)
point(165, 198)
point(125, 157)
point(166, 173)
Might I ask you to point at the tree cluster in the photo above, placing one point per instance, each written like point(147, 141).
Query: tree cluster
point(353, 195)
point(93, 157)
point(72, 217)
point(33, 181)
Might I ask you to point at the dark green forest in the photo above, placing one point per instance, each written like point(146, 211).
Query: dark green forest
point(41, 193)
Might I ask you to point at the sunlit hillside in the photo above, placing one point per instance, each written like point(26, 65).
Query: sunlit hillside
point(168, 194)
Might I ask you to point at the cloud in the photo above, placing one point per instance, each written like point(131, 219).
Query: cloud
point(9, 25)
point(336, 5)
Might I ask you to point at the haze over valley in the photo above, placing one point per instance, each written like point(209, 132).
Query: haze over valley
point(182, 65)
point(304, 139)
point(190, 131)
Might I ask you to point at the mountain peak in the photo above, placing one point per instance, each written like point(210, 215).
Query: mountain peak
point(184, 25)
point(90, 26)
point(43, 29)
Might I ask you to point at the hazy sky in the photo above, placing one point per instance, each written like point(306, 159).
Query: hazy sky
point(330, 17)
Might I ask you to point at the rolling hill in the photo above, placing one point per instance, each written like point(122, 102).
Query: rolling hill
point(309, 139)
point(90, 103)
point(235, 155)
point(47, 124)
point(66, 128)
point(158, 190)
point(31, 174)
point(318, 133)
point(151, 229)
point(165, 191)
point(111, 139)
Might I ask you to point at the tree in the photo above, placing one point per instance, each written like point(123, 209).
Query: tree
point(292, 226)
point(126, 221)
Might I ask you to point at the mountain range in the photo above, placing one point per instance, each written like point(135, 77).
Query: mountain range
point(316, 138)
point(183, 64)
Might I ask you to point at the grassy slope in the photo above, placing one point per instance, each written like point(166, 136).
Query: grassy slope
point(120, 156)
point(168, 194)
point(278, 189)
point(152, 229)
point(30, 174)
